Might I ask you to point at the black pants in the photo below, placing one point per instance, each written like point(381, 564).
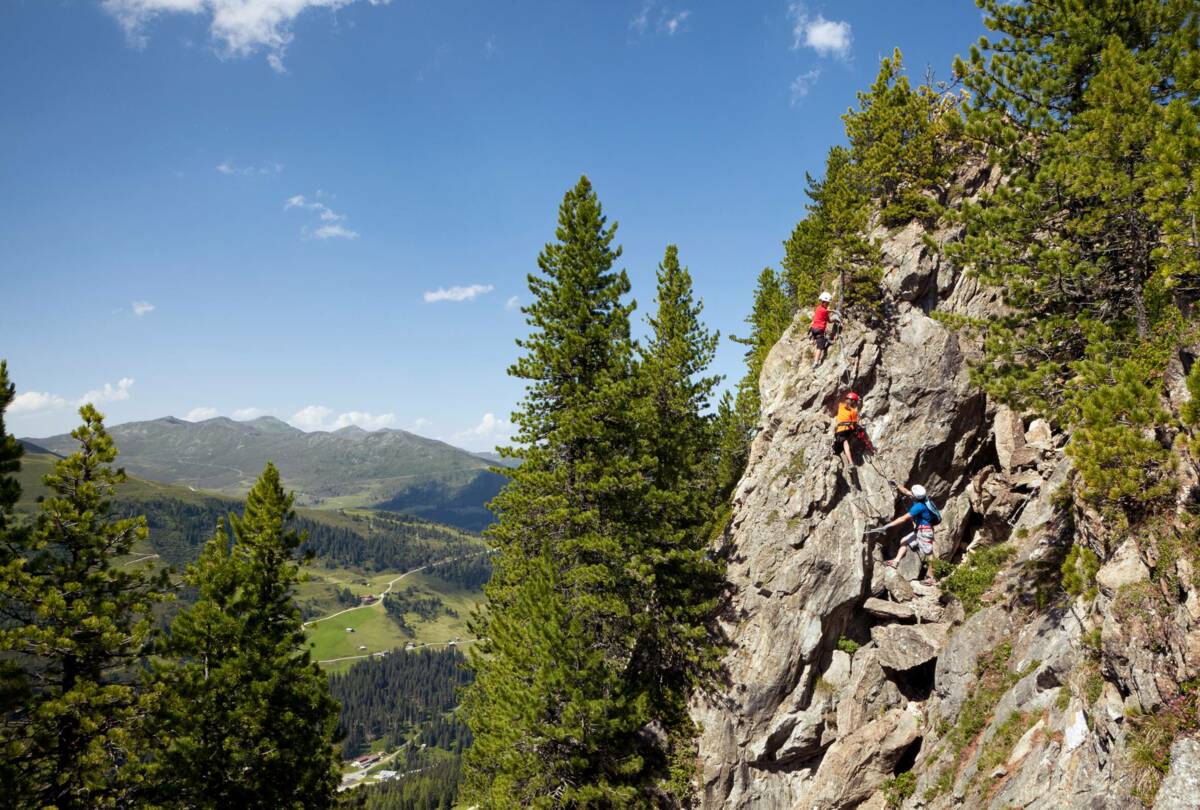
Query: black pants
point(818, 337)
point(840, 438)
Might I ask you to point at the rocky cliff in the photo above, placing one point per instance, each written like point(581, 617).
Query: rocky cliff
point(1000, 691)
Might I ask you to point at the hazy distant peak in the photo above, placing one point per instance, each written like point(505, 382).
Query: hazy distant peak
point(269, 424)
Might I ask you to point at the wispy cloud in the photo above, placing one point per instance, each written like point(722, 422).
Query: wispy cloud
point(490, 431)
point(228, 167)
point(803, 83)
point(333, 227)
point(238, 27)
point(200, 414)
point(666, 21)
point(317, 417)
point(489, 47)
point(332, 232)
point(673, 22)
point(420, 423)
point(826, 37)
point(457, 293)
point(641, 19)
point(28, 402)
point(140, 308)
point(513, 302)
point(242, 414)
point(109, 393)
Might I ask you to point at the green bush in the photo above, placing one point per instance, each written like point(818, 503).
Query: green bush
point(848, 645)
point(1079, 572)
point(899, 788)
point(972, 578)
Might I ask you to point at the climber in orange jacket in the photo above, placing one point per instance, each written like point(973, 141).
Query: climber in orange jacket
point(846, 428)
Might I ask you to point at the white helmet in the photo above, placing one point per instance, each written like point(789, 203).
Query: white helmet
point(918, 491)
point(826, 297)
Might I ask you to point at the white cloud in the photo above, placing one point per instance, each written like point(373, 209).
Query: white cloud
point(140, 308)
point(108, 393)
point(331, 232)
point(803, 83)
point(242, 414)
point(513, 302)
point(420, 423)
point(364, 420)
point(672, 23)
point(239, 27)
point(311, 417)
point(487, 434)
point(35, 402)
point(489, 47)
point(826, 37)
point(200, 414)
point(268, 167)
point(332, 229)
point(457, 293)
point(317, 417)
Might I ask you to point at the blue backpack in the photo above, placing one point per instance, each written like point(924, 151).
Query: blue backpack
point(935, 516)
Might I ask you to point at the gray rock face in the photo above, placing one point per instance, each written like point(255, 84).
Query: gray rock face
point(800, 565)
point(994, 710)
point(1010, 441)
point(904, 646)
point(1180, 790)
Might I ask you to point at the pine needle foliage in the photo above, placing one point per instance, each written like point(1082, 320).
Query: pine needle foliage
point(246, 714)
point(76, 624)
point(1088, 108)
point(595, 626)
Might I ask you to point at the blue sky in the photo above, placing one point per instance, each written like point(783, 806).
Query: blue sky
point(325, 210)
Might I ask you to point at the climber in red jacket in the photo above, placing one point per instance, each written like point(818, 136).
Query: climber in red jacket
point(818, 329)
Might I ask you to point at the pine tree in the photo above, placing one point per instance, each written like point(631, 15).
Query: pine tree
point(806, 259)
point(1088, 108)
point(15, 688)
point(903, 144)
point(576, 498)
point(675, 652)
point(843, 201)
point(77, 623)
point(769, 318)
point(1090, 226)
point(546, 707)
point(247, 719)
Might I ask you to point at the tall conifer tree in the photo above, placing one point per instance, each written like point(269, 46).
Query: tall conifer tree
point(675, 651)
point(77, 624)
point(574, 502)
point(247, 719)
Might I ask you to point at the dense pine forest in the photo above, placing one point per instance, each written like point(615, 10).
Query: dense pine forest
point(389, 698)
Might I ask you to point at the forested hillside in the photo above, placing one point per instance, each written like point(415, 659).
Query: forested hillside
point(390, 698)
point(350, 467)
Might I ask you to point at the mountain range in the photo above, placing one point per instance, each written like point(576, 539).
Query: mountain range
point(351, 467)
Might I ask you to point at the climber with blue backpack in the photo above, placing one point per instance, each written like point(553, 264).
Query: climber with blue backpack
point(923, 516)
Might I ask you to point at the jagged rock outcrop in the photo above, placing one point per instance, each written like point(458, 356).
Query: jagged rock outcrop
point(842, 674)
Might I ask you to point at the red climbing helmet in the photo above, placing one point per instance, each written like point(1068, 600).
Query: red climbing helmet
point(853, 397)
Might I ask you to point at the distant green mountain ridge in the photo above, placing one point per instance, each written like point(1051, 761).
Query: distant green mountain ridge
point(350, 467)
point(181, 520)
